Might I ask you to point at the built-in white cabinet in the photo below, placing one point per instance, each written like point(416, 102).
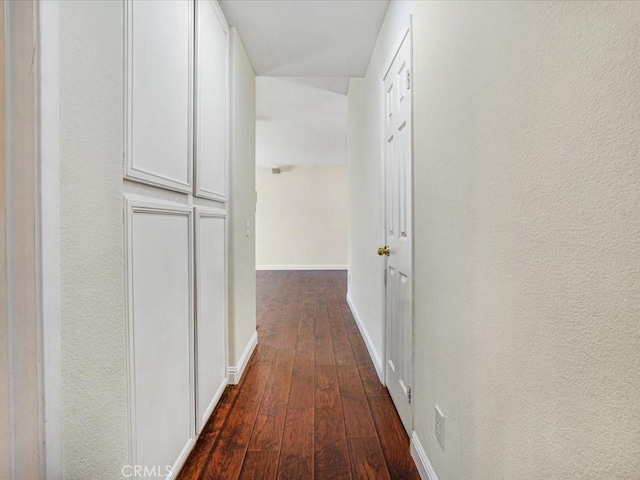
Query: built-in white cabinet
point(211, 102)
point(176, 118)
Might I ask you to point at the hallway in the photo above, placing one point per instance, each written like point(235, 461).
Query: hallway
point(309, 404)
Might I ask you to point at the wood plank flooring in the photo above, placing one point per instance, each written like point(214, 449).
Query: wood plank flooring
point(310, 405)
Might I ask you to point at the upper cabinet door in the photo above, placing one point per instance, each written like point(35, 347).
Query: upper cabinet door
point(211, 102)
point(159, 66)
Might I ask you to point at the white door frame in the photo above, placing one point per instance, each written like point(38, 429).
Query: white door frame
point(49, 88)
point(405, 32)
point(30, 317)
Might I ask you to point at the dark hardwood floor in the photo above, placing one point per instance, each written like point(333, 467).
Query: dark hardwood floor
point(310, 404)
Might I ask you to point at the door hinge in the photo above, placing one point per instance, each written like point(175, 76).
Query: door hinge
point(408, 79)
point(409, 393)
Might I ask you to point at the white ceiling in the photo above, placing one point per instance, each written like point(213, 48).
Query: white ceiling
point(307, 38)
point(303, 53)
point(299, 123)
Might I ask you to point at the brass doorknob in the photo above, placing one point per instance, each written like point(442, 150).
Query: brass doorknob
point(384, 250)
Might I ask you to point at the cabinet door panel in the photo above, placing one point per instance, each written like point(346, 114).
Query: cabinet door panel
point(211, 102)
point(211, 311)
point(159, 92)
point(160, 324)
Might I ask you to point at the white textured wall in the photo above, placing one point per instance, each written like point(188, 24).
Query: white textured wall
point(301, 219)
point(527, 234)
point(527, 238)
point(94, 417)
point(365, 205)
point(242, 275)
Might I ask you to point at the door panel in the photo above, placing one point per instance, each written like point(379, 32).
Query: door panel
point(211, 311)
point(159, 68)
point(160, 291)
point(398, 172)
point(211, 102)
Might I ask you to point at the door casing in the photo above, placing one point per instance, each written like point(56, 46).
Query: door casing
point(30, 393)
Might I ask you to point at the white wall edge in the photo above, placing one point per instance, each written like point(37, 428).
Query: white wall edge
point(302, 267)
point(49, 205)
point(373, 353)
point(425, 469)
point(235, 373)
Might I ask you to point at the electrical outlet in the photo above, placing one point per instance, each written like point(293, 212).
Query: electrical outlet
point(439, 427)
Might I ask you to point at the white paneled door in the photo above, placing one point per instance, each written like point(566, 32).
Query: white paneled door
point(398, 187)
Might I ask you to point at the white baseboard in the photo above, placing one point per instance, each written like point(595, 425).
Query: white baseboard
point(235, 373)
point(373, 353)
point(301, 267)
point(182, 459)
point(212, 405)
point(425, 469)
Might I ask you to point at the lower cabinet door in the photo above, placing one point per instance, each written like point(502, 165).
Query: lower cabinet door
point(160, 293)
point(211, 311)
